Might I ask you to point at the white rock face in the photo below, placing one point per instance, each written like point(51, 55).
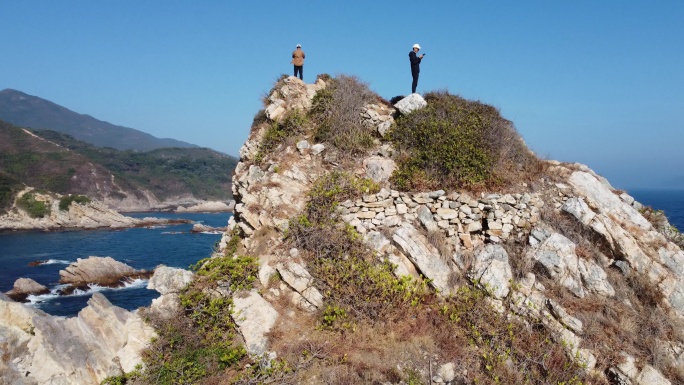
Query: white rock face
point(91, 215)
point(426, 258)
point(207, 207)
point(378, 168)
point(491, 270)
point(255, 317)
point(410, 103)
point(169, 280)
point(80, 350)
point(296, 275)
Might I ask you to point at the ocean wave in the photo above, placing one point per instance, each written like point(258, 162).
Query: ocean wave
point(55, 292)
point(211, 232)
point(56, 261)
point(172, 232)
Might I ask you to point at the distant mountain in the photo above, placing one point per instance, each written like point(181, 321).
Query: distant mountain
point(29, 111)
point(124, 180)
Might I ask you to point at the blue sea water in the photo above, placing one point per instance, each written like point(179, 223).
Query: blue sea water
point(670, 201)
point(140, 248)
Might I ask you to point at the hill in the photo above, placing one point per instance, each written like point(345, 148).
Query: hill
point(418, 242)
point(30, 111)
point(124, 180)
point(422, 243)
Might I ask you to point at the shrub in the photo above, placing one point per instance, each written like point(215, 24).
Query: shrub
point(202, 341)
point(8, 189)
point(33, 207)
point(336, 110)
point(294, 123)
point(357, 287)
point(67, 200)
point(455, 143)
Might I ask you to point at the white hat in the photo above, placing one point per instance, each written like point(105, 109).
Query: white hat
point(416, 46)
point(299, 46)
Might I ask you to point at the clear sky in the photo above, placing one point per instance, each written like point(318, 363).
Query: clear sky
point(596, 82)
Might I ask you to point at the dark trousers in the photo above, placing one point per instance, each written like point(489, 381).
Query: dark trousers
point(299, 69)
point(415, 81)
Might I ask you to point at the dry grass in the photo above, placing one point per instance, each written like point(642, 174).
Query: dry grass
point(632, 322)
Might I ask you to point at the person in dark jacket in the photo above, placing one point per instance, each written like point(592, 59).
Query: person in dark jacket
point(298, 61)
point(415, 66)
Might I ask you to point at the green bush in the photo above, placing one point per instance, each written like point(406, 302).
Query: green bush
point(67, 200)
point(8, 189)
point(357, 287)
point(202, 341)
point(336, 111)
point(293, 124)
point(34, 208)
point(456, 143)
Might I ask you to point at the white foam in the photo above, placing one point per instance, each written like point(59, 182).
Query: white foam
point(92, 288)
point(56, 261)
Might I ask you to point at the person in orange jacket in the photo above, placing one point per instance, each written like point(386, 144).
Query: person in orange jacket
point(298, 61)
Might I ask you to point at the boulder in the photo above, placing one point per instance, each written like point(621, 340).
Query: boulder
point(169, 280)
point(296, 275)
point(104, 271)
point(23, 287)
point(410, 103)
point(378, 168)
point(491, 270)
point(424, 256)
point(255, 317)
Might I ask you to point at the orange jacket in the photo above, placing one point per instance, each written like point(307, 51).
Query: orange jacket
point(298, 57)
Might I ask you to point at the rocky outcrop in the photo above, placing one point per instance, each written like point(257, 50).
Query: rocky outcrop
point(410, 103)
point(200, 228)
point(207, 207)
point(169, 282)
point(103, 340)
point(447, 235)
point(103, 271)
point(90, 215)
point(23, 287)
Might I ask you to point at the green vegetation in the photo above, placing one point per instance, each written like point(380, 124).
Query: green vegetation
point(74, 167)
point(456, 143)
point(67, 200)
point(336, 111)
point(33, 207)
point(9, 187)
point(202, 342)
point(357, 287)
point(294, 123)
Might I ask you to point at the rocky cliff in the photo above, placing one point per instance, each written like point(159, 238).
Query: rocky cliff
point(333, 271)
point(564, 253)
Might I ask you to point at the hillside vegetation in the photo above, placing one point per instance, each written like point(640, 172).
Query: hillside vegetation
point(57, 162)
point(456, 268)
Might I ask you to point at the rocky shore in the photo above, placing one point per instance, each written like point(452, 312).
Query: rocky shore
point(102, 341)
point(90, 215)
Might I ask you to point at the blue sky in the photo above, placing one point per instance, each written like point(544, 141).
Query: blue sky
point(596, 82)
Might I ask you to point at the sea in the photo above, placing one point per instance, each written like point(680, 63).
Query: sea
point(140, 248)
